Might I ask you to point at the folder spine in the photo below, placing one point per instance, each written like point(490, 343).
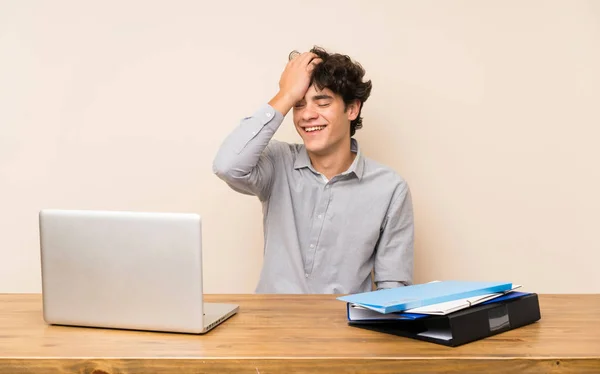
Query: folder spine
point(493, 319)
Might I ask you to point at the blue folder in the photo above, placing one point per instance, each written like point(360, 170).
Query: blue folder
point(401, 298)
point(399, 316)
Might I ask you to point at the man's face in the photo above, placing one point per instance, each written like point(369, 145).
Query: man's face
point(323, 121)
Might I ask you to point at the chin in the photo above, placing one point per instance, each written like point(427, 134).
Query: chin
point(315, 148)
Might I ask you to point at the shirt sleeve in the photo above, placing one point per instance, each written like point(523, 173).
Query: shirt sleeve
point(383, 285)
point(245, 160)
point(395, 248)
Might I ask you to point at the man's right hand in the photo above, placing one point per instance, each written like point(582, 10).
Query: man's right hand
point(294, 81)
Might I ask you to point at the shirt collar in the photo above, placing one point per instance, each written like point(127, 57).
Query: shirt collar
point(356, 168)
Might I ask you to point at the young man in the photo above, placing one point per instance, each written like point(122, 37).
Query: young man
point(331, 215)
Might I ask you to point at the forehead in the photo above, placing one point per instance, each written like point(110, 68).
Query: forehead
point(314, 91)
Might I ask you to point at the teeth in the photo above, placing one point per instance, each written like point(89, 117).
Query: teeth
point(314, 128)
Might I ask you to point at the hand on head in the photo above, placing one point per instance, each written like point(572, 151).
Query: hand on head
point(295, 80)
point(296, 76)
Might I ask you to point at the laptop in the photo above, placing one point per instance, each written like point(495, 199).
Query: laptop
point(125, 270)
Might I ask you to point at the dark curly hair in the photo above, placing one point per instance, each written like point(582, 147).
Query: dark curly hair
point(344, 77)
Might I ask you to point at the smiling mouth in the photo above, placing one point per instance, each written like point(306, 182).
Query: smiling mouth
point(314, 128)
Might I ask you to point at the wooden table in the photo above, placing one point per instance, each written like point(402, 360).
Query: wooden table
point(303, 333)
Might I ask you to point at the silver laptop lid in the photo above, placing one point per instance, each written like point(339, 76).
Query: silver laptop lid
point(122, 269)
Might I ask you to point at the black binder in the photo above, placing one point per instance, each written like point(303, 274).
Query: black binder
point(465, 325)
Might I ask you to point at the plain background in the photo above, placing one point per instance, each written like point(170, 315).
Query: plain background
point(489, 109)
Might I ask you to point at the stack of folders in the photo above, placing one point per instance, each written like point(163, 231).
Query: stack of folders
point(450, 313)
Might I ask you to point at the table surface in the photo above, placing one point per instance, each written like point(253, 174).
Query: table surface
point(297, 333)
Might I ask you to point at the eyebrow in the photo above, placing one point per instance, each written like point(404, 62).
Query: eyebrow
point(321, 97)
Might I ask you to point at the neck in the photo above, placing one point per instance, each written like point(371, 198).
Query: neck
point(333, 162)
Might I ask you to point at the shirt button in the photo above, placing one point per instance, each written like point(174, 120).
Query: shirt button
point(320, 216)
point(306, 275)
point(268, 114)
point(312, 245)
point(327, 186)
point(253, 132)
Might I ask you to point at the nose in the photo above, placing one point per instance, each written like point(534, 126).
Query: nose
point(309, 113)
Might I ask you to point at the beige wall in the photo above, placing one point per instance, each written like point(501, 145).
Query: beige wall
point(488, 108)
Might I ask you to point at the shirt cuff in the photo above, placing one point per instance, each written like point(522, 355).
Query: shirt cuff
point(390, 284)
point(253, 125)
point(266, 113)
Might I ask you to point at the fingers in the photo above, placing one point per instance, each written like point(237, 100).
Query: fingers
point(302, 62)
point(293, 54)
point(306, 58)
point(313, 63)
point(302, 59)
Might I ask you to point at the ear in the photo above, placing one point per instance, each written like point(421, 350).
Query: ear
point(352, 110)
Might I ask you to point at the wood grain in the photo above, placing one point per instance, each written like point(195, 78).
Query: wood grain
point(296, 333)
